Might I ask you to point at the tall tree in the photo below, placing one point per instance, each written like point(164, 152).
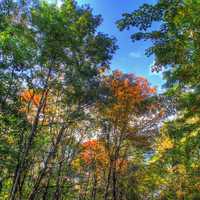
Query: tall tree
point(131, 101)
point(49, 58)
point(176, 50)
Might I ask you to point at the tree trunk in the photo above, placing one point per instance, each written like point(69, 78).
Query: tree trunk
point(51, 153)
point(114, 181)
point(57, 194)
point(23, 160)
point(94, 188)
point(106, 194)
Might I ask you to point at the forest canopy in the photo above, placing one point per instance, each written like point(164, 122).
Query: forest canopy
point(71, 128)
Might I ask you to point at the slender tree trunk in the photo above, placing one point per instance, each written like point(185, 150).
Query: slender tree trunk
point(21, 183)
point(94, 188)
point(114, 175)
point(22, 163)
point(23, 160)
point(49, 156)
point(114, 171)
point(57, 194)
point(106, 194)
point(114, 181)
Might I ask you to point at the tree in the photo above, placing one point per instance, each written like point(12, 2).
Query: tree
point(132, 99)
point(116, 145)
point(176, 50)
point(49, 58)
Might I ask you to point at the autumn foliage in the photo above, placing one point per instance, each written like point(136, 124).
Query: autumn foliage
point(94, 152)
point(129, 87)
point(30, 97)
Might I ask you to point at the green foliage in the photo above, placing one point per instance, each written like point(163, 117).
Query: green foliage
point(69, 129)
point(49, 61)
point(176, 49)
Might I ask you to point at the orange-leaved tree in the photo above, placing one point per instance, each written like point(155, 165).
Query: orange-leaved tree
point(125, 119)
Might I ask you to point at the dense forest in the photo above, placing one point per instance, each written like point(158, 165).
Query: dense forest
point(73, 129)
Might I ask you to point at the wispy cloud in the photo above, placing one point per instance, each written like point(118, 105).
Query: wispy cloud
point(134, 54)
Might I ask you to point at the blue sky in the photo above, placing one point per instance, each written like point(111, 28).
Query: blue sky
point(130, 56)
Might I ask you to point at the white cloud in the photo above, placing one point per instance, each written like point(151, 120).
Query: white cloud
point(135, 54)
